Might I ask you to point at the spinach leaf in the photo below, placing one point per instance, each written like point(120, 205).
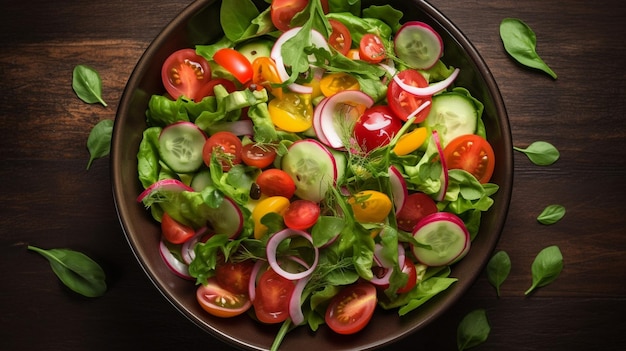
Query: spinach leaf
point(87, 84)
point(520, 42)
point(540, 153)
point(99, 140)
point(148, 166)
point(473, 330)
point(386, 13)
point(236, 16)
point(498, 269)
point(551, 214)
point(76, 270)
point(546, 267)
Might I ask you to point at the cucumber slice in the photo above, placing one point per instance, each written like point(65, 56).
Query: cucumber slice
point(447, 237)
point(452, 114)
point(180, 147)
point(201, 180)
point(312, 167)
point(418, 44)
point(256, 48)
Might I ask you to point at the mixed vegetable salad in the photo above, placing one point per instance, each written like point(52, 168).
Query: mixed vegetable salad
point(316, 162)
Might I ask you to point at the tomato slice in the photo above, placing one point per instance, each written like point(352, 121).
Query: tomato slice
point(333, 83)
point(276, 182)
point(221, 302)
point(471, 153)
point(175, 232)
point(417, 206)
point(273, 292)
point(301, 214)
point(410, 270)
point(235, 63)
point(227, 146)
point(184, 73)
point(403, 103)
point(258, 156)
point(265, 73)
point(340, 38)
point(234, 277)
point(208, 89)
point(292, 112)
point(283, 11)
point(371, 48)
point(351, 309)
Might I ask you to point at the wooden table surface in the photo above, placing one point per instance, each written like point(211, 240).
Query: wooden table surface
point(51, 200)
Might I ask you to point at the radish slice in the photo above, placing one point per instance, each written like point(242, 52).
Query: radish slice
point(426, 91)
point(444, 168)
point(386, 265)
point(187, 250)
point(254, 274)
point(418, 44)
point(271, 250)
point(447, 236)
point(227, 218)
point(338, 115)
point(167, 185)
point(295, 302)
point(317, 121)
point(176, 266)
point(399, 189)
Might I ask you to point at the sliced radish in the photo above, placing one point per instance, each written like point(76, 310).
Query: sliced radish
point(164, 185)
point(295, 302)
point(399, 189)
point(317, 121)
point(177, 267)
point(227, 218)
point(187, 250)
point(418, 44)
point(447, 236)
point(426, 91)
point(386, 265)
point(254, 274)
point(444, 168)
point(272, 247)
point(338, 115)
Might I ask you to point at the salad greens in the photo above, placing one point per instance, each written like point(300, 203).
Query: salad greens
point(546, 267)
point(87, 84)
point(99, 140)
point(498, 269)
point(551, 214)
point(520, 42)
point(541, 153)
point(473, 330)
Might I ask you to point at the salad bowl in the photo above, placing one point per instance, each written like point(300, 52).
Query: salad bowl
point(199, 24)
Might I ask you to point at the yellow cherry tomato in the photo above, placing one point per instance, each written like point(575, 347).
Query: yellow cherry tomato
point(276, 204)
point(410, 141)
point(291, 113)
point(264, 73)
point(333, 83)
point(353, 54)
point(370, 206)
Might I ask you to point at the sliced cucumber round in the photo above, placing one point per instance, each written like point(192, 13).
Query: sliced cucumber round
point(312, 167)
point(444, 235)
point(180, 147)
point(452, 114)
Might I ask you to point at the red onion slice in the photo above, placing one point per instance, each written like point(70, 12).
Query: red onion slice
point(272, 245)
point(295, 302)
point(426, 91)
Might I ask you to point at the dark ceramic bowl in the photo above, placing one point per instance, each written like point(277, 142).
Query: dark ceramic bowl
point(199, 24)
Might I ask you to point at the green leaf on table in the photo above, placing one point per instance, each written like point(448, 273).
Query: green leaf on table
point(551, 214)
point(541, 153)
point(546, 267)
point(99, 140)
point(473, 330)
point(498, 269)
point(520, 42)
point(87, 84)
point(76, 270)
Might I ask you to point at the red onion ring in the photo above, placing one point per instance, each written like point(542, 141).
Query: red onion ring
point(272, 246)
point(295, 302)
point(426, 91)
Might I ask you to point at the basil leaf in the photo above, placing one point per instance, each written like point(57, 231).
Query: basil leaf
point(99, 140)
point(520, 42)
point(473, 330)
point(541, 153)
point(236, 16)
point(546, 267)
point(87, 84)
point(76, 270)
point(498, 269)
point(551, 214)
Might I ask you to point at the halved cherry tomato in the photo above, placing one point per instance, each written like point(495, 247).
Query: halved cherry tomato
point(271, 303)
point(371, 48)
point(264, 74)
point(292, 112)
point(410, 270)
point(272, 204)
point(410, 141)
point(184, 73)
point(227, 146)
point(283, 11)
point(207, 89)
point(376, 127)
point(221, 302)
point(234, 277)
point(258, 156)
point(276, 182)
point(333, 83)
point(340, 38)
point(351, 309)
point(471, 153)
point(403, 103)
point(175, 232)
point(416, 206)
point(235, 63)
point(301, 214)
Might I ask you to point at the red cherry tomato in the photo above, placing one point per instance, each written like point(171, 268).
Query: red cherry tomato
point(471, 153)
point(301, 214)
point(234, 277)
point(227, 146)
point(376, 127)
point(271, 303)
point(283, 11)
point(411, 272)
point(340, 38)
point(184, 73)
point(351, 309)
point(207, 89)
point(258, 156)
point(372, 48)
point(235, 63)
point(276, 182)
point(221, 302)
point(403, 103)
point(175, 232)
point(417, 206)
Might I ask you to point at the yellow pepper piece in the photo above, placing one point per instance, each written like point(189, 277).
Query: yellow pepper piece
point(410, 141)
point(370, 206)
point(276, 204)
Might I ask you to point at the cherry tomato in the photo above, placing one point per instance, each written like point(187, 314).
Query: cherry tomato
point(333, 83)
point(228, 148)
point(276, 182)
point(272, 204)
point(370, 206)
point(351, 309)
point(258, 156)
point(271, 303)
point(221, 302)
point(410, 270)
point(283, 11)
point(410, 141)
point(403, 103)
point(292, 112)
point(417, 206)
point(184, 73)
point(340, 38)
point(376, 127)
point(234, 277)
point(235, 63)
point(264, 74)
point(208, 89)
point(371, 48)
point(175, 232)
point(301, 214)
point(472, 153)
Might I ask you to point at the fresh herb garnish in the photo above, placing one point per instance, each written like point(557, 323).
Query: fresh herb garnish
point(520, 42)
point(541, 153)
point(498, 269)
point(546, 267)
point(99, 140)
point(551, 214)
point(473, 330)
point(87, 84)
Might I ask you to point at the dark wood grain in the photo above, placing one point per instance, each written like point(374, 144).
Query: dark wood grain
point(51, 200)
